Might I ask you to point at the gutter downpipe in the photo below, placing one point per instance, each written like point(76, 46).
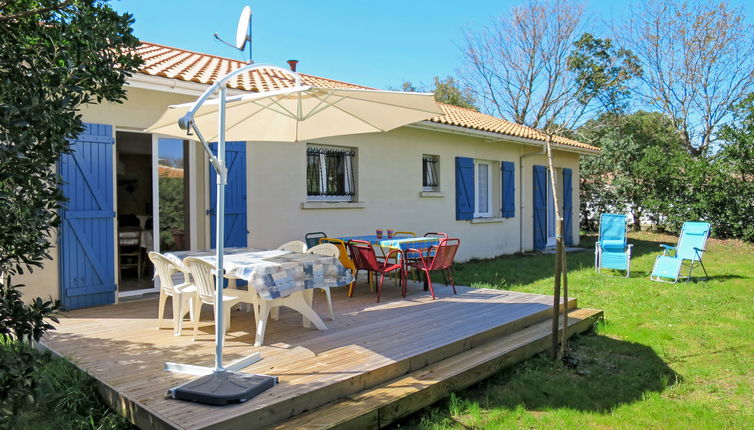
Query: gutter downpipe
point(521, 197)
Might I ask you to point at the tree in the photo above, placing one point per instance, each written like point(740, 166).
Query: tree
point(532, 66)
point(55, 56)
point(639, 154)
point(735, 218)
point(447, 90)
point(698, 61)
point(518, 66)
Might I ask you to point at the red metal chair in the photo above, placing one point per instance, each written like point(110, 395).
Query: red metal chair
point(442, 260)
point(364, 258)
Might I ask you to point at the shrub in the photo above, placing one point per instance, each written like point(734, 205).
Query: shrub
point(19, 381)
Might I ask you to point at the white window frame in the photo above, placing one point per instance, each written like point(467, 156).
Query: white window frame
point(478, 214)
point(349, 186)
point(437, 173)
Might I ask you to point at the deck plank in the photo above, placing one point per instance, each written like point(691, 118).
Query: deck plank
point(367, 344)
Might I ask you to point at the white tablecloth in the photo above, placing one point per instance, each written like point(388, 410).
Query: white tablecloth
point(275, 273)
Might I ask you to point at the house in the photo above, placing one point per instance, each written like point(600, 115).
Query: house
point(476, 177)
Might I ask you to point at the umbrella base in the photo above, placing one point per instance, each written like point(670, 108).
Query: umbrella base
point(222, 388)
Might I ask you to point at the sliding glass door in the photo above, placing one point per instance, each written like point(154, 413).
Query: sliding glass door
point(173, 195)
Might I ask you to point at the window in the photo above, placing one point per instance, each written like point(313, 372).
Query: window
point(430, 167)
point(329, 173)
point(482, 191)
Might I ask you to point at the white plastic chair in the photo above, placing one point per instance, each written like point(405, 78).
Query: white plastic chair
point(183, 294)
point(204, 279)
point(293, 246)
point(329, 250)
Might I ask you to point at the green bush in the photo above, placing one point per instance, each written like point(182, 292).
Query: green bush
point(41, 391)
point(20, 321)
point(19, 380)
point(642, 169)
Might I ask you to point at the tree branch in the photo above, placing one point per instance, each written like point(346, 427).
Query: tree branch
point(13, 16)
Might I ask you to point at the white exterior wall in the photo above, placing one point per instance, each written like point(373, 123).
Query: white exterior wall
point(388, 176)
point(389, 182)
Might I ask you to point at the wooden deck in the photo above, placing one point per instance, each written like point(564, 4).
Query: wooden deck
point(368, 347)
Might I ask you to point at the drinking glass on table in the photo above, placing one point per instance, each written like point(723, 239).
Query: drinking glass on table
point(379, 233)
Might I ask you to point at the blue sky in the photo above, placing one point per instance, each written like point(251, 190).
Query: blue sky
point(379, 44)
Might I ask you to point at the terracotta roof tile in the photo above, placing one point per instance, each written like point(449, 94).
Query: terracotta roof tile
point(175, 63)
point(469, 118)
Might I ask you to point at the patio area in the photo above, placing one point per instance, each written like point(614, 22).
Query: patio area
point(368, 344)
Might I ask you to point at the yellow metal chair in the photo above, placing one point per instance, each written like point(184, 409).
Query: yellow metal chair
point(344, 259)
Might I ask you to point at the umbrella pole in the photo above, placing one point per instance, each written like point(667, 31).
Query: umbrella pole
point(220, 236)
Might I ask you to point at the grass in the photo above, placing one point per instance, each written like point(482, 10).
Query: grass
point(68, 399)
point(671, 356)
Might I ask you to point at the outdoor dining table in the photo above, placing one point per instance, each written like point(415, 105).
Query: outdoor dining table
point(276, 274)
point(422, 244)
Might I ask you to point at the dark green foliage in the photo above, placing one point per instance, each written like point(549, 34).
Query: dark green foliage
point(737, 159)
point(638, 169)
point(447, 90)
point(603, 71)
point(644, 169)
point(54, 57)
point(22, 321)
point(172, 210)
point(41, 391)
point(19, 380)
point(52, 61)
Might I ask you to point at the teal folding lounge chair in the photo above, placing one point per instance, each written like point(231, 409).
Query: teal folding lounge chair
point(688, 253)
point(612, 250)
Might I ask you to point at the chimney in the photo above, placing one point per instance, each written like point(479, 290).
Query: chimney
point(292, 64)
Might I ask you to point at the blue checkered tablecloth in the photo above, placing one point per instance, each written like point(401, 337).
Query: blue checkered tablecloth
point(275, 273)
point(422, 244)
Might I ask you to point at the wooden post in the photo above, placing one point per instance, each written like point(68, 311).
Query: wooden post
point(559, 250)
point(564, 340)
point(556, 294)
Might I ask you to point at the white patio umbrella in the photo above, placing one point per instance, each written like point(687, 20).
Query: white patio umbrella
point(288, 115)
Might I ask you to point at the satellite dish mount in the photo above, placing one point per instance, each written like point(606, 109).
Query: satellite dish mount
point(243, 32)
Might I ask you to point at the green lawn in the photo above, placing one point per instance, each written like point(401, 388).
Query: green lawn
point(671, 356)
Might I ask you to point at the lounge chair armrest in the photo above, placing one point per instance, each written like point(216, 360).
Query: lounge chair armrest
point(667, 249)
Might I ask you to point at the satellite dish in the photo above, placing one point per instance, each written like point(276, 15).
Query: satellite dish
point(242, 31)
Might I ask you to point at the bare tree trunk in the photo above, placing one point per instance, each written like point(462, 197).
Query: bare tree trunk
point(559, 251)
point(564, 341)
point(636, 215)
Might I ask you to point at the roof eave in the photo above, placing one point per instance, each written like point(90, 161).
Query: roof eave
point(177, 86)
point(171, 85)
point(467, 131)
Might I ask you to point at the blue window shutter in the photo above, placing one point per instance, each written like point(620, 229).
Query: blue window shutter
point(235, 195)
point(567, 206)
point(509, 189)
point(87, 244)
point(540, 207)
point(464, 188)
